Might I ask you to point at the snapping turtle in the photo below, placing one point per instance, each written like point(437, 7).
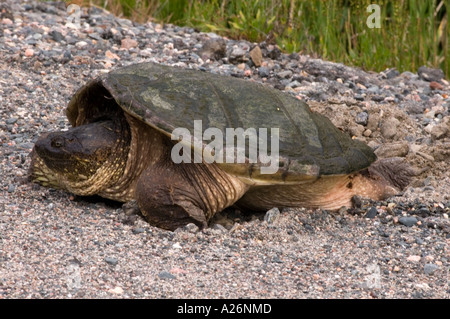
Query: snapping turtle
point(120, 147)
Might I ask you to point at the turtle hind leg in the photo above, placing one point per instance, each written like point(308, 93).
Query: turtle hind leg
point(172, 195)
point(394, 171)
point(384, 178)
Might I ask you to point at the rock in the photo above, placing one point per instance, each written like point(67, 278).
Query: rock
point(111, 260)
point(137, 230)
point(408, 221)
point(256, 56)
point(391, 73)
point(189, 228)
point(117, 290)
point(396, 149)
point(429, 269)
point(237, 55)
point(11, 120)
point(81, 45)
point(413, 258)
point(166, 275)
point(371, 212)
point(213, 49)
point(284, 74)
point(362, 118)
point(389, 127)
point(263, 72)
point(273, 52)
point(128, 43)
point(367, 133)
point(29, 52)
point(441, 130)
point(429, 74)
point(436, 86)
point(271, 215)
point(56, 35)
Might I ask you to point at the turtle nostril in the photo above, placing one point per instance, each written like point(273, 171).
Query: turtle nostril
point(57, 142)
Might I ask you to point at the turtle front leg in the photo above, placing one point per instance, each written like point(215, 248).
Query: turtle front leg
point(173, 195)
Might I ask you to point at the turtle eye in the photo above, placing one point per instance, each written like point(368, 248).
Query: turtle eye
point(57, 142)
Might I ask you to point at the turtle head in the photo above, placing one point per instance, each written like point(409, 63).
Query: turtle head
point(72, 159)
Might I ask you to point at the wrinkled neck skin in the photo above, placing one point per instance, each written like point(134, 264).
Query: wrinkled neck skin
point(146, 149)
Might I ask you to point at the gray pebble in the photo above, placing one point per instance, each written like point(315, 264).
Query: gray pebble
point(408, 221)
point(371, 212)
point(374, 89)
point(272, 215)
point(263, 72)
point(137, 230)
point(11, 120)
point(429, 269)
point(11, 188)
point(362, 118)
point(111, 260)
point(166, 275)
point(429, 74)
point(284, 74)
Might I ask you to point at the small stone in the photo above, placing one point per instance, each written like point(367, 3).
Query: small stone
point(237, 55)
point(11, 120)
point(11, 188)
point(361, 118)
point(213, 49)
point(263, 72)
point(81, 45)
point(436, 86)
point(117, 290)
point(414, 258)
point(111, 260)
point(176, 246)
point(389, 127)
point(128, 43)
point(429, 74)
point(284, 74)
point(441, 130)
point(29, 52)
point(241, 66)
point(271, 215)
point(111, 56)
point(367, 133)
point(189, 228)
point(395, 149)
point(408, 221)
point(56, 35)
point(256, 56)
point(166, 275)
point(137, 230)
point(392, 73)
point(371, 213)
point(429, 269)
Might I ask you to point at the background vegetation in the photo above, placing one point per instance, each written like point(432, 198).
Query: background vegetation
point(413, 32)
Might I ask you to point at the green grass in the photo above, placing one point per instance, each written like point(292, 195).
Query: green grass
point(413, 32)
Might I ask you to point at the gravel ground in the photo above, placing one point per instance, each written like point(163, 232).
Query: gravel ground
point(56, 245)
